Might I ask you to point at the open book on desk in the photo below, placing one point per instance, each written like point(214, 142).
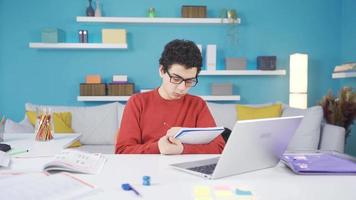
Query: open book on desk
point(76, 161)
point(320, 163)
point(198, 135)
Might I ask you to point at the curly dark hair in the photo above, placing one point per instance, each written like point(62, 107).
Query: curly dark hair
point(183, 52)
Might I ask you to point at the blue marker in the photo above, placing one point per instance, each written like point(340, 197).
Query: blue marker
point(128, 187)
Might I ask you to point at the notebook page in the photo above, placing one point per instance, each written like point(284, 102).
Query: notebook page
point(38, 186)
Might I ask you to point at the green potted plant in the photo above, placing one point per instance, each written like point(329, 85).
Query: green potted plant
point(341, 110)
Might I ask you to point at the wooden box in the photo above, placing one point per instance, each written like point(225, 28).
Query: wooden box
point(120, 89)
point(193, 11)
point(88, 89)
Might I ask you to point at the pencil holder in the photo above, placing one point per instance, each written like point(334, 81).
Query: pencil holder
point(44, 128)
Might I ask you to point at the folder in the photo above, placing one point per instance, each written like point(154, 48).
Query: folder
point(320, 163)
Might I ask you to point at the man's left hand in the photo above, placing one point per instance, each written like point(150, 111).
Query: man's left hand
point(170, 146)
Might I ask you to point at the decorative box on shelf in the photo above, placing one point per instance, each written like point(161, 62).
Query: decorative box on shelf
point(89, 89)
point(266, 62)
point(114, 36)
point(235, 63)
point(120, 89)
point(52, 35)
point(93, 79)
point(219, 89)
point(189, 11)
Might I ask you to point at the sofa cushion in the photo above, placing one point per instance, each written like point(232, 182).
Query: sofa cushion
point(21, 127)
point(332, 138)
point(245, 112)
point(95, 148)
point(307, 135)
point(97, 124)
point(224, 114)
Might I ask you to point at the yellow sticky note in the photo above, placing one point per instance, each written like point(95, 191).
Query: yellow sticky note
point(200, 191)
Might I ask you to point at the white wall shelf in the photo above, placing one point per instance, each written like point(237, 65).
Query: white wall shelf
point(242, 72)
point(221, 98)
point(344, 75)
point(126, 98)
point(158, 20)
point(103, 98)
point(76, 46)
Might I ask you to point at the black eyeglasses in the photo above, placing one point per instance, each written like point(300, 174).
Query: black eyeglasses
point(189, 82)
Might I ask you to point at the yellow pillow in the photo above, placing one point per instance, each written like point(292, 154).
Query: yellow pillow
point(62, 123)
point(248, 112)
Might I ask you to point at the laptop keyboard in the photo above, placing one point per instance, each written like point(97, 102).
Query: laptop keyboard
point(205, 169)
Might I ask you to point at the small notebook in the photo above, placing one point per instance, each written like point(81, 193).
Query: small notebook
point(198, 135)
point(76, 161)
point(320, 163)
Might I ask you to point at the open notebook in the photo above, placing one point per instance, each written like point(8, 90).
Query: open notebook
point(320, 163)
point(76, 161)
point(198, 135)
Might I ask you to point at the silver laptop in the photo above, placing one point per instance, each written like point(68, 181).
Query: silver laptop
point(252, 145)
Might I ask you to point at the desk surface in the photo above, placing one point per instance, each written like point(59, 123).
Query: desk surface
point(168, 183)
point(26, 141)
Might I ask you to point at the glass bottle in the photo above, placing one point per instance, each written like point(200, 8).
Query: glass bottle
point(97, 9)
point(90, 10)
point(151, 12)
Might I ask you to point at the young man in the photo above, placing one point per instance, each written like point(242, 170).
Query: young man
point(150, 119)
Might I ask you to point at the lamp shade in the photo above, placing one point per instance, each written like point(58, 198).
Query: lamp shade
point(298, 80)
point(298, 67)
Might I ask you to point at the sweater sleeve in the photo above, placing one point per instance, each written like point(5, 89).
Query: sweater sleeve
point(205, 119)
point(129, 140)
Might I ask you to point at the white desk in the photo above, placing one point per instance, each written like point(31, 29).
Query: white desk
point(26, 141)
point(168, 183)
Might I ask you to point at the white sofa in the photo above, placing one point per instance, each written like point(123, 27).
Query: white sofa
point(99, 125)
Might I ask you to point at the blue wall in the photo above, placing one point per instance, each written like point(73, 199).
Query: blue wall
point(274, 27)
point(348, 50)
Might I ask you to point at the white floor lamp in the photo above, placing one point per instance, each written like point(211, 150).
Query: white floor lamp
point(298, 80)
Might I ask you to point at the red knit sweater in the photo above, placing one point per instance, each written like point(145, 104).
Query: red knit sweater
point(147, 117)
